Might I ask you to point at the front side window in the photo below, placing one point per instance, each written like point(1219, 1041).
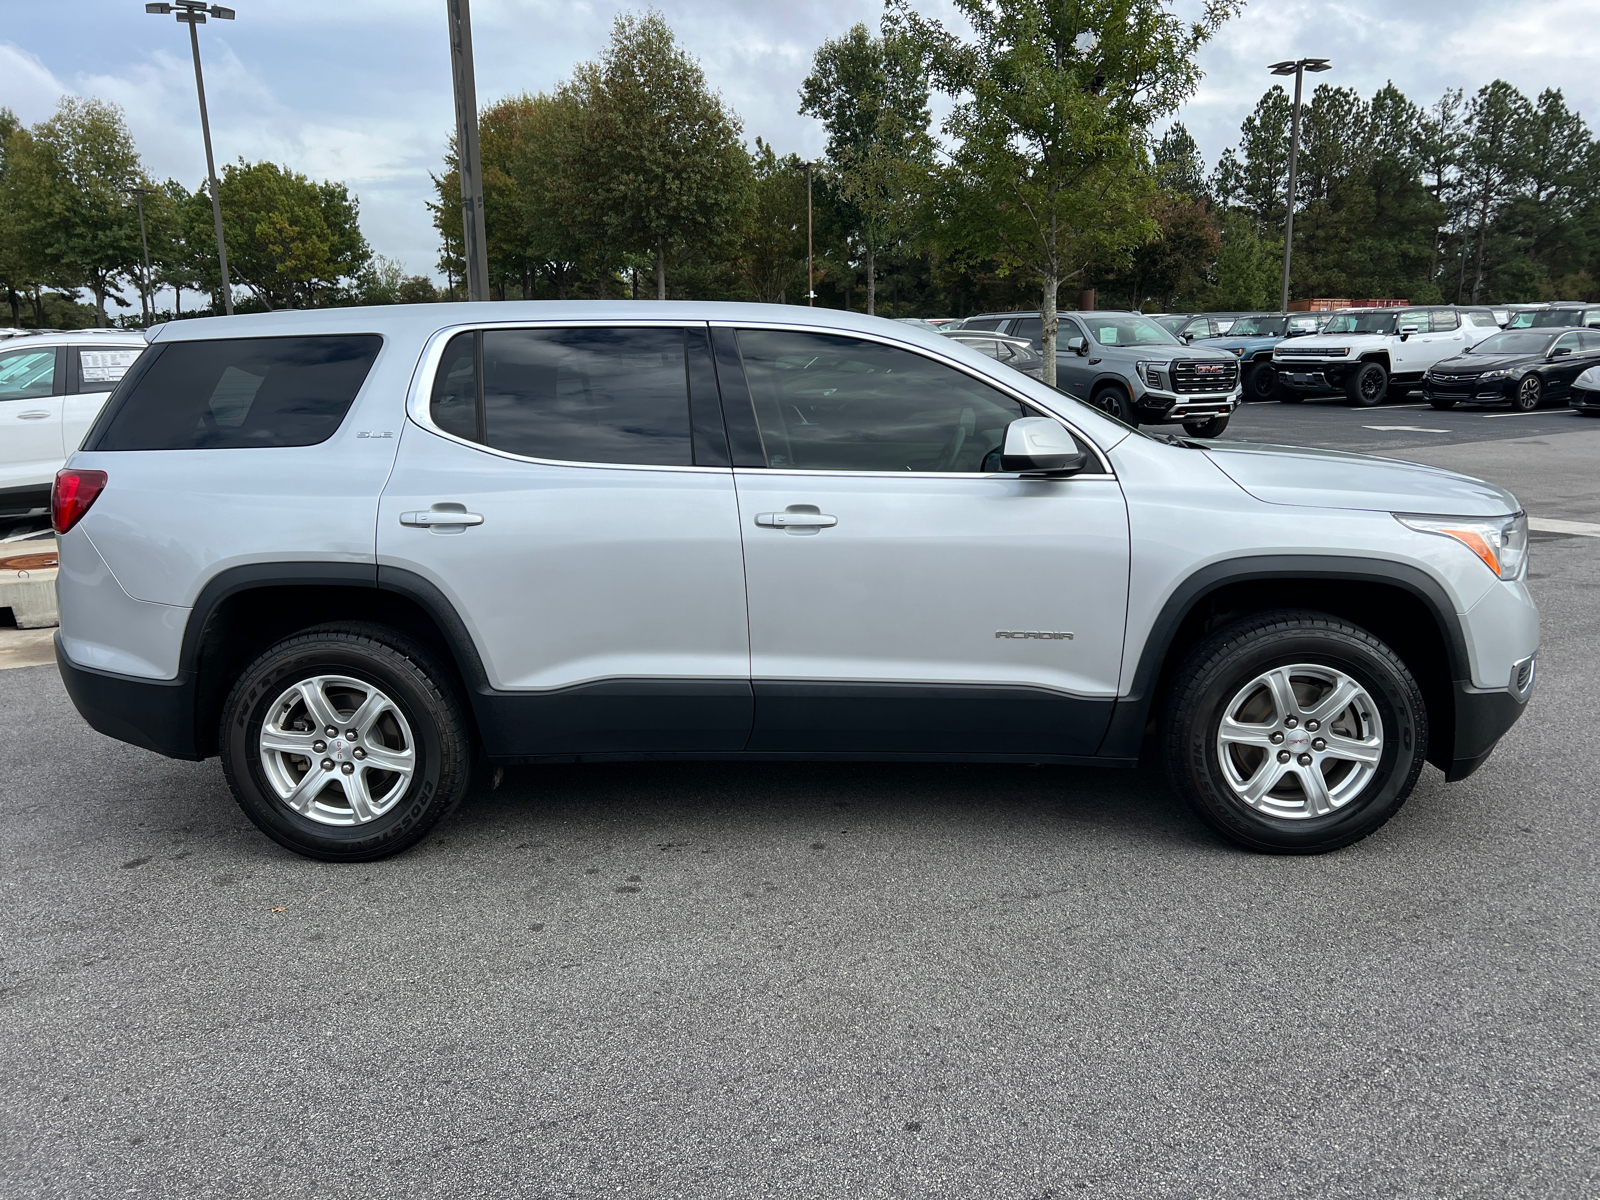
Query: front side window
point(27, 374)
point(588, 394)
point(101, 370)
point(825, 402)
point(1567, 342)
point(239, 393)
point(1128, 331)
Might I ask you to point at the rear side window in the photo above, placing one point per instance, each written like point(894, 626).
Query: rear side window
point(590, 394)
point(1031, 328)
point(1444, 320)
point(241, 393)
point(100, 370)
point(27, 374)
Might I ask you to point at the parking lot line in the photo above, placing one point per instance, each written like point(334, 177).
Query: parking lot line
point(1404, 429)
point(1551, 525)
point(1534, 413)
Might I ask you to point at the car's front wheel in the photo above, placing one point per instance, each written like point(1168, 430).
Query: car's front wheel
point(1530, 393)
point(1261, 381)
point(346, 743)
point(1367, 385)
point(1116, 402)
point(1294, 732)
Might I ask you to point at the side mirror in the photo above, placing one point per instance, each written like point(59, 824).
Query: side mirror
point(1407, 330)
point(1040, 448)
point(1076, 345)
point(1561, 352)
point(1187, 337)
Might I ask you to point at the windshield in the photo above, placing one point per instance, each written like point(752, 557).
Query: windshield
point(1129, 331)
point(1361, 322)
point(1259, 327)
point(1522, 342)
point(1172, 324)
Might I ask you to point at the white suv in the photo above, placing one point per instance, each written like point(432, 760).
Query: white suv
point(51, 388)
point(355, 551)
point(1372, 353)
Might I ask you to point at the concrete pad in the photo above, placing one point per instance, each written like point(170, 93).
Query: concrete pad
point(27, 648)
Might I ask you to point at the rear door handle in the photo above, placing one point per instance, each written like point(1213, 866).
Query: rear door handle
point(796, 520)
point(434, 518)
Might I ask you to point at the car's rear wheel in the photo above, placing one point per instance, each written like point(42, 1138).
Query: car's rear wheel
point(1367, 385)
point(1205, 429)
point(1530, 394)
point(1293, 732)
point(1115, 401)
point(346, 743)
point(1260, 381)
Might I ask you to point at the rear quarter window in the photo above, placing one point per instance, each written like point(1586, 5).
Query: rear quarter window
point(237, 393)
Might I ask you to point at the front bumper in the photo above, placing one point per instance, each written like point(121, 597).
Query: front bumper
point(1312, 376)
point(1482, 719)
point(1171, 408)
point(1585, 400)
point(1496, 392)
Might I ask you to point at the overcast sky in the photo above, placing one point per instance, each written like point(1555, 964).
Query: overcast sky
point(359, 90)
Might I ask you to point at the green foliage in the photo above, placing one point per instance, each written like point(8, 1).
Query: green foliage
point(1247, 269)
point(289, 239)
point(772, 259)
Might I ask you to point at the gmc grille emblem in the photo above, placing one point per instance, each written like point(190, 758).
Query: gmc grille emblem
point(1035, 634)
point(1210, 368)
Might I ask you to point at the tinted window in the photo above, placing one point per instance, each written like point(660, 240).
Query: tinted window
point(25, 374)
point(1567, 342)
point(99, 370)
point(454, 405)
point(1588, 341)
point(1521, 341)
point(1553, 318)
point(983, 323)
point(827, 403)
point(1031, 328)
point(1444, 320)
point(241, 392)
point(588, 395)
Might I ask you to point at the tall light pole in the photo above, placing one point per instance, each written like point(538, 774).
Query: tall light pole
point(1297, 68)
point(139, 193)
point(474, 247)
point(811, 277)
point(193, 13)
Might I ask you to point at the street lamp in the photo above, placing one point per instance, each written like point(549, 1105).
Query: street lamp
point(811, 277)
point(1297, 68)
point(193, 13)
point(139, 193)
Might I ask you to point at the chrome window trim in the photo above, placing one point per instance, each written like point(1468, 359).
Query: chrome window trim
point(1105, 471)
point(418, 396)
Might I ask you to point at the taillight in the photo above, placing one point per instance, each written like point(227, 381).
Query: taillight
point(72, 496)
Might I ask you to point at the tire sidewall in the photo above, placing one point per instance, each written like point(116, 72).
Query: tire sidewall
point(1262, 382)
point(1403, 731)
point(246, 711)
point(1116, 401)
point(1358, 395)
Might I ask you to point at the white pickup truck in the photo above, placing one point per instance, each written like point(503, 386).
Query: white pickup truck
point(1372, 353)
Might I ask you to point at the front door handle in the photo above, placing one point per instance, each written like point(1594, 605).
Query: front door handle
point(32, 416)
point(436, 518)
point(796, 520)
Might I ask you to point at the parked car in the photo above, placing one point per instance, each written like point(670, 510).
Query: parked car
point(1586, 393)
point(1558, 315)
point(1251, 339)
point(1193, 327)
point(1521, 367)
point(1015, 353)
point(354, 552)
point(51, 388)
point(1374, 353)
point(1132, 368)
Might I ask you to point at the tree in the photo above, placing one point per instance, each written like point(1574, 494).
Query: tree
point(1246, 267)
point(663, 153)
point(1180, 169)
point(871, 94)
point(16, 272)
point(1441, 141)
point(68, 180)
point(1055, 100)
point(289, 238)
point(774, 240)
point(1495, 161)
point(1256, 178)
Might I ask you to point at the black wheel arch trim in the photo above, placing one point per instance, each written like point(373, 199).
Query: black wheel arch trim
point(1128, 722)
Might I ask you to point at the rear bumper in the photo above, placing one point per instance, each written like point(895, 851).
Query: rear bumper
point(153, 714)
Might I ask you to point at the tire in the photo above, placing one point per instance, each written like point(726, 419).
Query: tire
point(1261, 382)
point(1223, 676)
point(1442, 405)
point(1530, 393)
point(1367, 385)
point(417, 721)
point(1115, 401)
point(1206, 429)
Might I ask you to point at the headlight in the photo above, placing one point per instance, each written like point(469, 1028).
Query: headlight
point(1491, 376)
point(1501, 543)
point(1154, 374)
point(1238, 351)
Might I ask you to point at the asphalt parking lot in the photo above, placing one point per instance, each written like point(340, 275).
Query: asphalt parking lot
point(715, 980)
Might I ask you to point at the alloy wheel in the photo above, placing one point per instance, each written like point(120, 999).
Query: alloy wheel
point(1300, 741)
point(337, 750)
point(1529, 392)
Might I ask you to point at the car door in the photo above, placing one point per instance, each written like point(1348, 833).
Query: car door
point(31, 383)
point(596, 561)
point(1074, 372)
point(92, 373)
point(903, 600)
point(1564, 368)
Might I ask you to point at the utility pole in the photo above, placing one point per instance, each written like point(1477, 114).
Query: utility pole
point(811, 275)
point(193, 14)
point(139, 193)
point(1297, 68)
point(473, 245)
